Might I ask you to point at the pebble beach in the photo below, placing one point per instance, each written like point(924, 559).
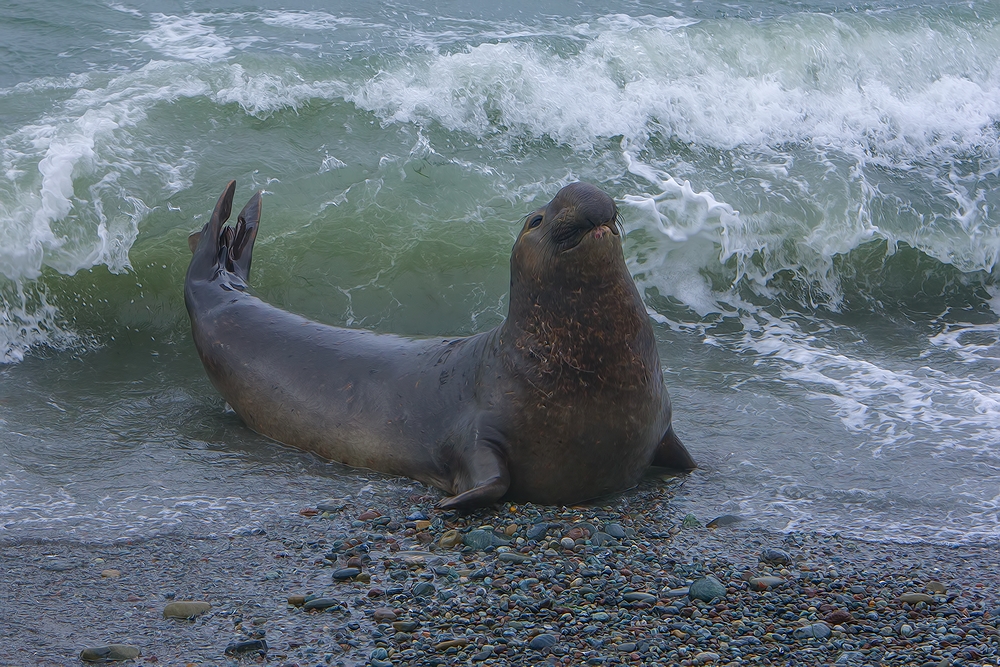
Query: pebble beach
point(628, 581)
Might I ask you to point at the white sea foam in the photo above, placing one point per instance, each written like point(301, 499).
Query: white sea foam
point(72, 162)
point(186, 38)
point(125, 10)
point(261, 94)
point(863, 100)
point(310, 20)
point(971, 343)
point(70, 199)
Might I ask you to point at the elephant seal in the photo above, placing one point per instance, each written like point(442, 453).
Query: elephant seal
point(561, 403)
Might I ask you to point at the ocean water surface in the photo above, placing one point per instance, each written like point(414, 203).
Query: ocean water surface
point(810, 192)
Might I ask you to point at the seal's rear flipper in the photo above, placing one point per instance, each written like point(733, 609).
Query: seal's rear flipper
point(241, 245)
point(205, 244)
point(671, 453)
point(487, 475)
point(194, 238)
point(228, 248)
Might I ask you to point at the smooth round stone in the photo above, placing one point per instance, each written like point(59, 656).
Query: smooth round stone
point(637, 596)
point(379, 654)
point(677, 592)
point(707, 589)
point(478, 539)
point(450, 539)
point(838, 616)
point(483, 654)
point(384, 614)
point(905, 630)
point(776, 556)
point(706, 657)
point(320, 603)
point(185, 609)
point(537, 531)
point(516, 558)
point(914, 598)
point(423, 589)
point(615, 530)
point(543, 641)
point(567, 543)
point(937, 587)
point(346, 573)
point(405, 626)
point(724, 520)
point(58, 565)
point(111, 574)
point(109, 653)
point(813, 631)
point(296, 600)
point(627, 647)
point(764, 583)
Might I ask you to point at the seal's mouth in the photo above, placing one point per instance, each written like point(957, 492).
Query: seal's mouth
point(601, 231)
point(572, 235)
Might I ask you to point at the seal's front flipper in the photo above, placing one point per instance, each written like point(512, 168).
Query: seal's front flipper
point(671, 453)
point(484, 476)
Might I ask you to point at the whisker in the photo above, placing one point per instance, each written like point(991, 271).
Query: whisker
point(619, 222)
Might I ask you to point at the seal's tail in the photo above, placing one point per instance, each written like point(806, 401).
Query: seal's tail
point(218, 247)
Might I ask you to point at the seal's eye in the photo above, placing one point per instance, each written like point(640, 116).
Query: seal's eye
point(534, 222)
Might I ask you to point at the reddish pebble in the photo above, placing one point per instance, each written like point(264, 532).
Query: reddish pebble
point(369, 515)
point(384, 614)
point(838, 617)
point(354, 561)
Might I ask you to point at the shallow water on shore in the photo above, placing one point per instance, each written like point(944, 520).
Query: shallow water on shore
point(809, 193)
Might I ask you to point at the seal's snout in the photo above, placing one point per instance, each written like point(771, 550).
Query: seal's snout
point(581, 209)
point(592, 205)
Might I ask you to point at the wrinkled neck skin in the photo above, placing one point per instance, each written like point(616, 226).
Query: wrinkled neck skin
point(577, 322)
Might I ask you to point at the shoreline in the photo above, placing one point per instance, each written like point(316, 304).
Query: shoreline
point(597, 585)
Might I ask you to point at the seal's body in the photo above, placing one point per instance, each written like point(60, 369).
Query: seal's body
point(563, 402)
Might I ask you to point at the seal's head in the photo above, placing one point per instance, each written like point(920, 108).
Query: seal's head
point(575, 236)
point(570, 246)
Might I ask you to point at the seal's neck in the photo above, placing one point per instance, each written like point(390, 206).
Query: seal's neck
point(568, 335)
